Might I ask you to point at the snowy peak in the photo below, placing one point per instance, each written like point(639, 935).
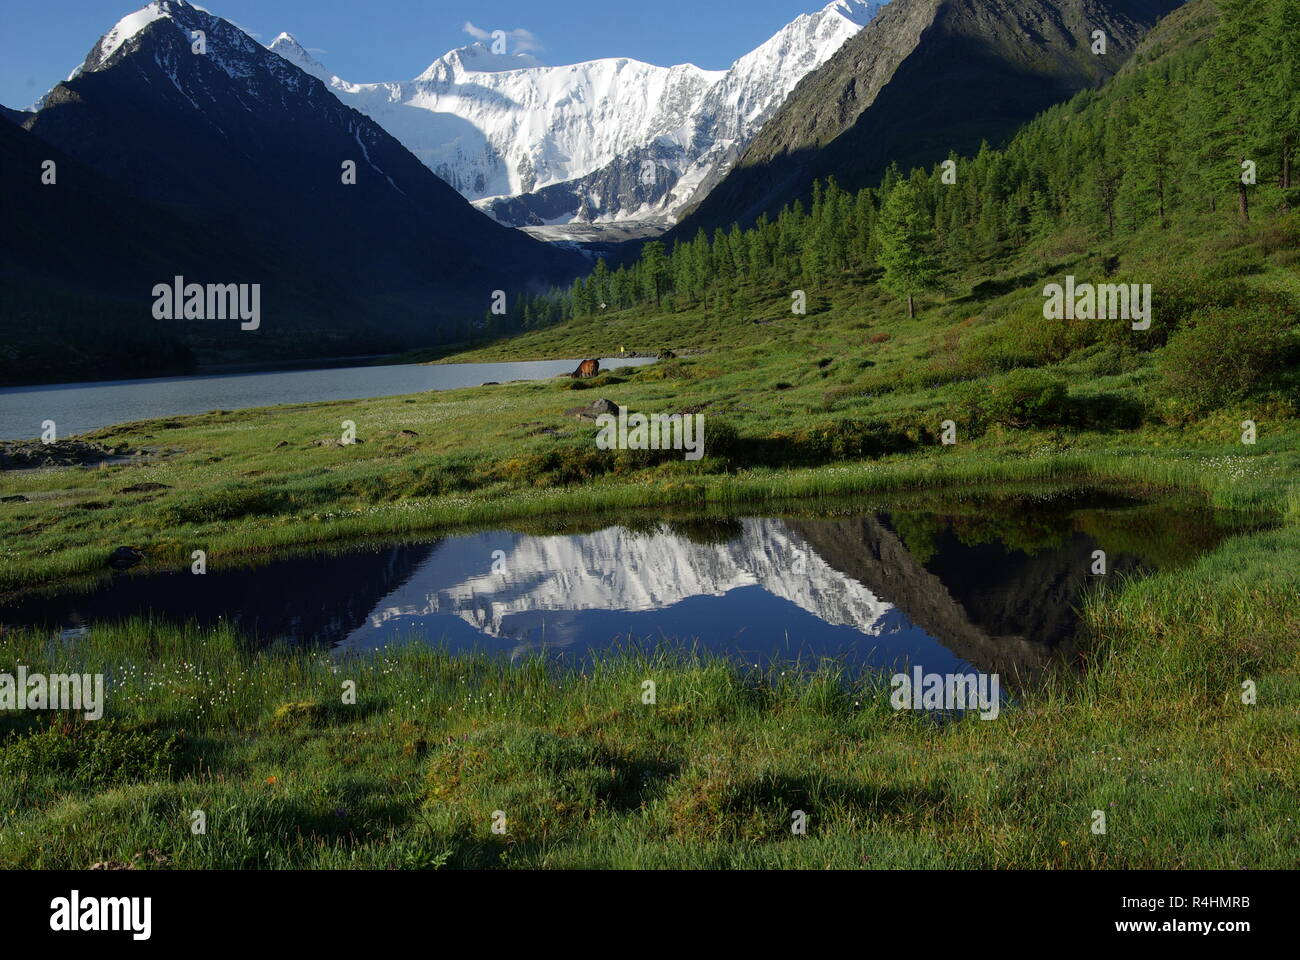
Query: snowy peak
point(173, 30)
point(758, 83)
point(860, 12)
point(184, 15)
point(614, 570)
point(289, 48)
point(228, 47)
point(250, 149)
point(476, 58)
point(605, 140)
point(129, 26)
point(602, 141)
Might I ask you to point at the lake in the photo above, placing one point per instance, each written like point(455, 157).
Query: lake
point(986, 584)
point(78, 407)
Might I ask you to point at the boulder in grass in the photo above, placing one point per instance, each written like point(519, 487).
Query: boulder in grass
point(601, 406)
point(124, 558)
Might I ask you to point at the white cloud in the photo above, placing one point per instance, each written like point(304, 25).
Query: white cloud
point(523, 40)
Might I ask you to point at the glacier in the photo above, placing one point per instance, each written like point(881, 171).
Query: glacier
point(605, 141)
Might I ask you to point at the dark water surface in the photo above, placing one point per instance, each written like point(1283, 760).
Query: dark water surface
point(987, 584)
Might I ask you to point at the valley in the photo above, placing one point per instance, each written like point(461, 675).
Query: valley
point(935, 436)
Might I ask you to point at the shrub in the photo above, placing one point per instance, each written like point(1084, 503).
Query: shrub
point(1281, 234)
point(1109, 360)
point(230, 503)
point(1238, 263)
point(1025, 338)
point(603, 380)
point(1175, 298)
point(836, 440)
point(569, 463)
point(1026, 398)
point(1106, 411)
point(665, 370)
point(1225, 355)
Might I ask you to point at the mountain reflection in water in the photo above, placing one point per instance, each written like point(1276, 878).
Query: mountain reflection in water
point(949, 590)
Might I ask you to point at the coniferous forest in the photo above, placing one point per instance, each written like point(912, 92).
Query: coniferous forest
point(1188, 128)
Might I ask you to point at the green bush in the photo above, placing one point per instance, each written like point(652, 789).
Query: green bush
point(1026, 398)
point(231, 503)
point(560, 465)
point(1175, 298)
point(1109, 360)
point(299, 713)
point(832, 441)
point(1025, 338)
point(1225, 355)
point(1238, 263)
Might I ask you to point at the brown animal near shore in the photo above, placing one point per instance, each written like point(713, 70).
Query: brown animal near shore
point(588, 368)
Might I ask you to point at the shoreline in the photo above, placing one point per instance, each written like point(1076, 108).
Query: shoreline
point(906, 473)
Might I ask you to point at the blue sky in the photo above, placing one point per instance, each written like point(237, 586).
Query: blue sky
point(42, 41)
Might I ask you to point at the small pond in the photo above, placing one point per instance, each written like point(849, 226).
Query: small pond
point(988, 583)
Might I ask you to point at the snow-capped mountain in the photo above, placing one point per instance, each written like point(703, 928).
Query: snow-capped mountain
point(597, 142)
point(314, 202)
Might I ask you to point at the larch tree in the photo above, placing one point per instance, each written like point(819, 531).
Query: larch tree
point(905, 245)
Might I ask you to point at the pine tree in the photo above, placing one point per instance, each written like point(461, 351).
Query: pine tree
point(905, 240)
point(1279, 114)
point(1155, 141)
point(654, 271)
point(1232, 73)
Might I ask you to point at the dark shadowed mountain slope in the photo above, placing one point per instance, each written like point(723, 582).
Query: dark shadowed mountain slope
point(925, 78)
point(251, 151)
point(79, 261)
point(76, 266)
